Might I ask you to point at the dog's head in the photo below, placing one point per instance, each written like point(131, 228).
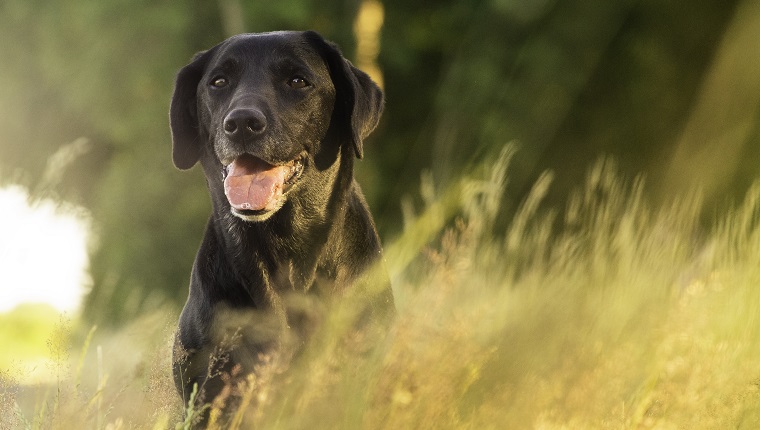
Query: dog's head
point(270, 113)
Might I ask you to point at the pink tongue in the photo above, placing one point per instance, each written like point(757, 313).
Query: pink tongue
point(253, 184)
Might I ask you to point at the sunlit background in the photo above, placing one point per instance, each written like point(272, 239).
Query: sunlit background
point(43, 252)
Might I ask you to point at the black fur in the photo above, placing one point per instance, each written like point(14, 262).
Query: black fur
point(253, 272)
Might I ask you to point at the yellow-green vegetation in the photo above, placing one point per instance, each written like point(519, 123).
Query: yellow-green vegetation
point(31, 327)
point(25, 332)
point(611, 313)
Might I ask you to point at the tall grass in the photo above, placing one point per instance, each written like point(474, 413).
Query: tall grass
point(610, 313)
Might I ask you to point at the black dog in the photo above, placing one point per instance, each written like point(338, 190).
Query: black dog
point(276, 120)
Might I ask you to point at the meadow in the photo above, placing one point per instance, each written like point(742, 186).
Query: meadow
point(609, 313)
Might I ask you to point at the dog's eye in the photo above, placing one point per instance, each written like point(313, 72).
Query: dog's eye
point(219, 82)
point(298, 82)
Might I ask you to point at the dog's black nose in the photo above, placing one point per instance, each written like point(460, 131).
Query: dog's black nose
point(241, 124)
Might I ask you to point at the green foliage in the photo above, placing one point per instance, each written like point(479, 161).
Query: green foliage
point(569, 80)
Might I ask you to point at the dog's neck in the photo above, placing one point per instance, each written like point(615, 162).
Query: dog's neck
point(288, 249)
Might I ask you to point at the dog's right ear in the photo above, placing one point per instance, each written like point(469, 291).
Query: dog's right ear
point(183, 114)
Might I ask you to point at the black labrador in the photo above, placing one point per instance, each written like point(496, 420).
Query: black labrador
point(276, 121)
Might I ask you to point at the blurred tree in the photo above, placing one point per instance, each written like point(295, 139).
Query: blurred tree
point(567, 79)
point(637, 102)
point(725, 115)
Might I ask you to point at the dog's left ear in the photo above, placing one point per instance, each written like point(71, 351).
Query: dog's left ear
point(358, 100)
point(183, 114)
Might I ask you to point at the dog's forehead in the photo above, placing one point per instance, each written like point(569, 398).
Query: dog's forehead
point(263, 48)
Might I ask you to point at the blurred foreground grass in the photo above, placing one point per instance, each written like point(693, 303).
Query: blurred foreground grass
point(625, 316)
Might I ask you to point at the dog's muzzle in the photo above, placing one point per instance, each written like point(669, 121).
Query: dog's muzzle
point(256, 188)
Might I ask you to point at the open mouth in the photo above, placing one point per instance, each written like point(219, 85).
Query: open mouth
point(255, 187)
